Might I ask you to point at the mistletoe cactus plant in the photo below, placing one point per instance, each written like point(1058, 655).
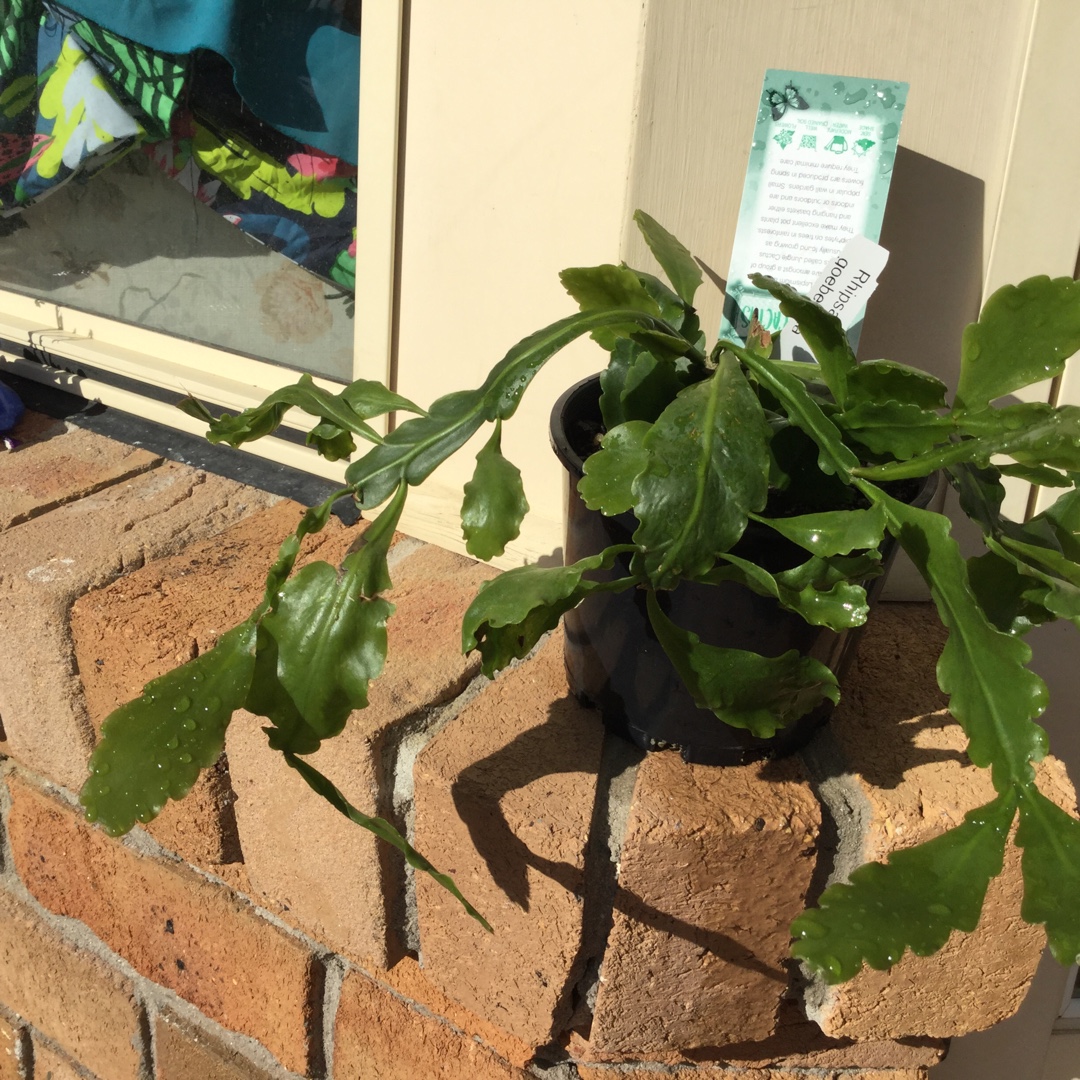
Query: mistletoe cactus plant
point(699, 440)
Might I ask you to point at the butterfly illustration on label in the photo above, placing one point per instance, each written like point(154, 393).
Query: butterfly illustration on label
point(779, 101)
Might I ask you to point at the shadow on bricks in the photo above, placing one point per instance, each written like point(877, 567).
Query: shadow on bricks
point(534, 754)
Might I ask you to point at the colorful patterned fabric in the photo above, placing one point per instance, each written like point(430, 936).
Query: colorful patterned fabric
point(75, 97)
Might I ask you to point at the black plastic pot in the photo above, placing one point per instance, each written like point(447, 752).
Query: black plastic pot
point(613, 659)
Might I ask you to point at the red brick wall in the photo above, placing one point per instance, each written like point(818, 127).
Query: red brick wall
point(640, 907)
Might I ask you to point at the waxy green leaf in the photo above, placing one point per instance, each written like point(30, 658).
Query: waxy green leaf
point(610, 473)
point(675, 259)
point(802, 410)
point(495, 502)
point(825, 592)
point(707, 468)
point(758, 693)
point(833, 532)
point(1050, 839)
point(152, 749)
point(881, 381)
point(606, 288)
point(913, 902)
point(821, 331)
point(992, 694)
point(1012, 602)
point(513, 611)
point(321, 785)
point(415, 449)
point(1025, 333)
point(895, 429)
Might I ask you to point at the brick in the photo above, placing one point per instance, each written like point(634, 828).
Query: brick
point(181, 1053)
point(907, 759)
point(47, 562)
point(172, 925)
point(379, 1037)
point(798, 1043)
point(715, 864)
point(168, 612)
point(503, 801)
point(706, 1072)
point(69, 995)
point(12, 1042)
point(50, 1064)
point(58, 462)
point(407, 980)
point(307, 862)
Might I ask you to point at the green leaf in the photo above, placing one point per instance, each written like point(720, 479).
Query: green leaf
point(613, 382)
point(677, 262)
point(1011, 601)
point(494, 504)
point(758, 693)
point(886, 380)
point(821, 331)
point(707, 469)
point(152, 748)
point(833, 532)
point(330, 629)
point(332, 442)
point(898, 430)
point(368, 398)
point(415, 449)
point(254, 423)
point(802, 410)
point(1050, 839)
point(1025, 333)
point(609, 477)
point(512, 612)
point(321, 785)
point(673, 308)
point(650, 387)
point(914, 902)
point(1039, 475)
point(606, 288)
point(825, 592)
point(993, 696)
point(1032, 433)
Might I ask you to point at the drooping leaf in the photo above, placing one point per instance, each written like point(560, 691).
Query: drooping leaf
point(759, 693)
point(1061, 597)
point(335, 409)
point(1050, 839)
point(886, 380)
point(153, 748)
point(675, 259)
point(1024, 334)
point(1039, 475)
point(331, 441)
point(607, 288)
point(368, 398)
point(832, 532)
point(802, 410)
point(609, 477)
point(495, 502)
point(512, 612)
point(913, 902)
point(330, 628)
point(821, 331)
point(321, 785)
point(268, 697)
point(412, 451)
point(992, 694)
point(825, 592)
point(898, 430)
point(707, 469)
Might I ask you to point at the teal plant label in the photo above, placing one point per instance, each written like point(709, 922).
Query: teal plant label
point(818, 176)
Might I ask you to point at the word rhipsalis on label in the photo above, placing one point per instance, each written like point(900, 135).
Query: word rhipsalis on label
point(818, 176)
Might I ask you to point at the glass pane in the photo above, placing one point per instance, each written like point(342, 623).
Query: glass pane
point(133, 244)
point(127, 161)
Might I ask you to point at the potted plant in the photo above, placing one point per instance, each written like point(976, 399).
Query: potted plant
point(700, 443)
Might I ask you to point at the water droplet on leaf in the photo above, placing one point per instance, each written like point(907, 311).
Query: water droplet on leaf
point(182, 704)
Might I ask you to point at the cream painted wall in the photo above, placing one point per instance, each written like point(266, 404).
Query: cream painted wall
point(517, 148)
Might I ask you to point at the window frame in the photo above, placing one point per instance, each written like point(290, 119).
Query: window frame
point(100, 358)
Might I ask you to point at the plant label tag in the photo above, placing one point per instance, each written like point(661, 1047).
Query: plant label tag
point(819, 173)
point(842, 288)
